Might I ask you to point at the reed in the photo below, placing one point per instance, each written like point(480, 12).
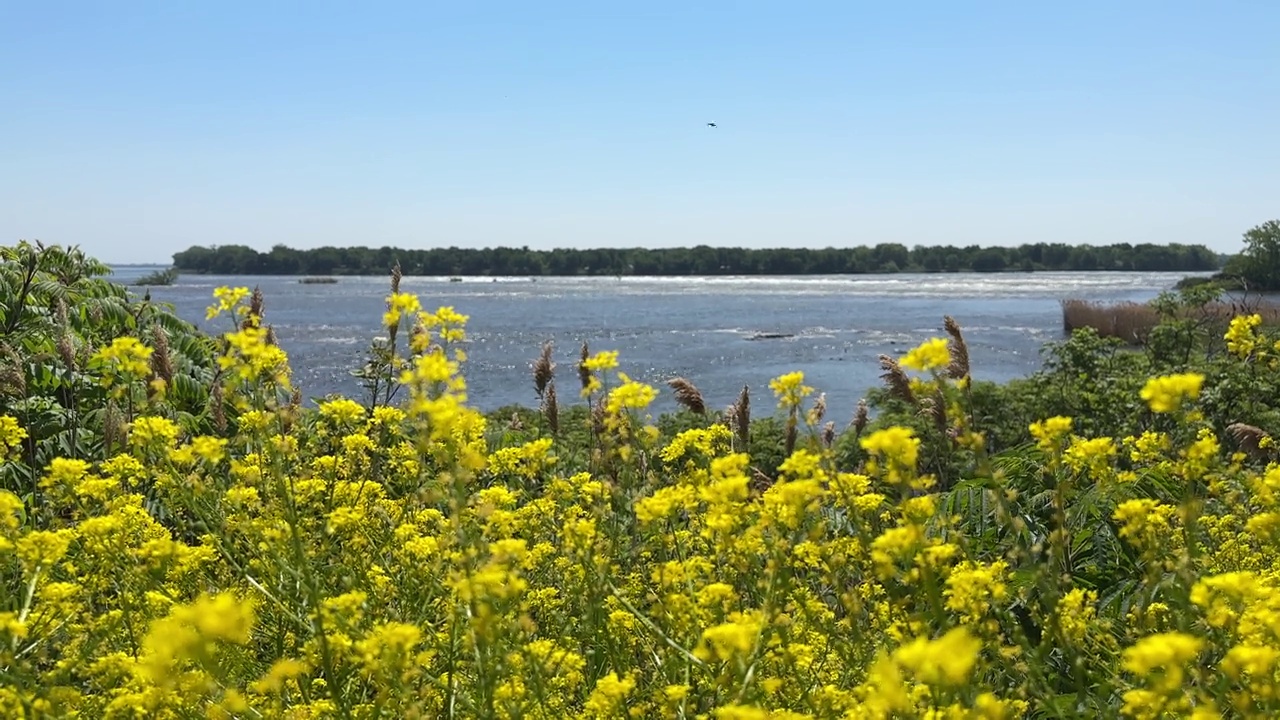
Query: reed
point(544, 369)
point(1133, 322)
point(688, 395)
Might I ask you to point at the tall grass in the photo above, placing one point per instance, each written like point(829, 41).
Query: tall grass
point(1133, 322)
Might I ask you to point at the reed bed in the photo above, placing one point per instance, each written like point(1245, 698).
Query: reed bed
point(1133, 322)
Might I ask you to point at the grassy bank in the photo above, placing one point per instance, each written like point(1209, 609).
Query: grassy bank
point(181, 537)
point(1134, 322)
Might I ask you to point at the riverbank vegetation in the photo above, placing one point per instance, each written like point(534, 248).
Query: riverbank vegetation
point(701, 260)
point(1134, 322)
point(181, 537)
point(167, 276)
point(1255, 269)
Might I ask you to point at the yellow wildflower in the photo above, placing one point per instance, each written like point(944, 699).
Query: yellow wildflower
point(929, 355)
point(1167, 393)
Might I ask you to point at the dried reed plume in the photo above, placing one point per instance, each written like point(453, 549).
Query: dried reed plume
point(819, 408)
point(393, 329)
point(161, 356)
point(67, 350)
point(216, 407)
point(1249, 438)
point(13, 381)
point(688, 395)
point(415, 333)
point(860, 418)
point(113, 426)
point(515, 423)
point(551, 409)
point(829, 433)
point(271, 336)
point(292, 411)
point(597, 417)
point(740, 415)
point(896, 379)
point(584, 374)
point(959, 367)
point(935, 408)
point(544, 370)
point(254, 318)
point(759, 480)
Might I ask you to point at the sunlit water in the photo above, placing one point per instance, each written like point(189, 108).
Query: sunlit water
point(705, 329)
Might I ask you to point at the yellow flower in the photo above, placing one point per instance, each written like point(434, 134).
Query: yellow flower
point(211, 449)
point(603, 360)
point(1167, 652)
point(607, 698)
point(1093, 455)
point(252, 359)
point(663, 503)
point(929, 355)
point(736, 638)
point(790, 389)
point(1050, 433)
point(1166, 394)
point(228, 298)
point(1076, 611)
point(897, 448)
point(342, 411)
point(946, 661)
point(42, 548)
point(189, 629)
point(400, 305)
point(11, 434)
point(1240, 336)
point(125, 360)
point(630, 394)
point(152, 431)
point(972, 587)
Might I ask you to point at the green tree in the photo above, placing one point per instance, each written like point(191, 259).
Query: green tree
point(1259, 264)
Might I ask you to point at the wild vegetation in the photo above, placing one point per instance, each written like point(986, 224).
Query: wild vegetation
point(1256, 268)
point(1097, 540)
point(1203, 304)
point(701, 260)
point(166, 276)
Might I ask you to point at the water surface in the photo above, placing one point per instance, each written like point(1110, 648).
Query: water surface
point(704, 328)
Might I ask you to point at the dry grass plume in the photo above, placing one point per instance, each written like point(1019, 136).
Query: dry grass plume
point(688, 395)
point(544, 370)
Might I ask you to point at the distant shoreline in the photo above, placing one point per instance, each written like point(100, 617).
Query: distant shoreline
point(882, 259)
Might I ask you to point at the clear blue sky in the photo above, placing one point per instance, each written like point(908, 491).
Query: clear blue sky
point(137, 129)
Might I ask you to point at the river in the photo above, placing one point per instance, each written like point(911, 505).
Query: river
point(720, 332)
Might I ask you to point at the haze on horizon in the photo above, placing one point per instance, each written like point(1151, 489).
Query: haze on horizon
point(139, 129)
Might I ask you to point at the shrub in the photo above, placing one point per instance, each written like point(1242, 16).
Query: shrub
point(421, 560)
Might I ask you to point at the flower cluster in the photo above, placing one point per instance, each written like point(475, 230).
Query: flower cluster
point(420, 561)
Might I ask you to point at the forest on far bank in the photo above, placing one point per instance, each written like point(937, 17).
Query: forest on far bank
point(700, 260)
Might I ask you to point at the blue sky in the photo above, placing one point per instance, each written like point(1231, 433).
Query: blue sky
point(136, 129)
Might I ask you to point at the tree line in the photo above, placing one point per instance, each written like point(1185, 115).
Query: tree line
point(700, 260)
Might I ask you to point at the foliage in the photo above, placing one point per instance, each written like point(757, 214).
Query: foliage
point(1258, 265)
point(700, 260)
point(1255, 269)
point(166, 276)
point(64, 331)
point(419, 560)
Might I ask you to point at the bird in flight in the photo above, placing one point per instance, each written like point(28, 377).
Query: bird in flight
point(712, 125)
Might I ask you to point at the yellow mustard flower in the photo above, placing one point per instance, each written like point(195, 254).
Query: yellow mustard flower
point(929, 355)
point(1167, 393)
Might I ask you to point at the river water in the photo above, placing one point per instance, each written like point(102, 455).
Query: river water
point(707, 329)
